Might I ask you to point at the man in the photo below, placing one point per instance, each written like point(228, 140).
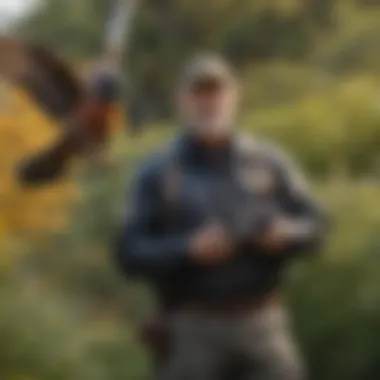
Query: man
point(215, 219)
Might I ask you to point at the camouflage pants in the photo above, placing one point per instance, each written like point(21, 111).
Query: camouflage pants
point(256, 346)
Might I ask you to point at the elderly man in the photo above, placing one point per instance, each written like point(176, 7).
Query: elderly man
point(215, 219)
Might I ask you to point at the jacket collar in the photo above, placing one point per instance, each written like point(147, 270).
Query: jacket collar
point(191, 152)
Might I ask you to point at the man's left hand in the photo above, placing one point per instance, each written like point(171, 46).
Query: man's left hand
point(275, 237)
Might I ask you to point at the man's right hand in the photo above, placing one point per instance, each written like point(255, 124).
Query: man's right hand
point(210, 245)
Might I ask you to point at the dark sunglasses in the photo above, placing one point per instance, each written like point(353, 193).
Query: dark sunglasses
point(207, 86)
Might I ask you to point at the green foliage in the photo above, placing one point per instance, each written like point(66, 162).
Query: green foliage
point(331, 131)
point(167, 31)
point(38, 338)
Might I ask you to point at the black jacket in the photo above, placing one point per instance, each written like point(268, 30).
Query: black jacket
point(242, 186)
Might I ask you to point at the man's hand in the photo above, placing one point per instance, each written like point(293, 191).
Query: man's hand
point(275, 237)
point(211, 245)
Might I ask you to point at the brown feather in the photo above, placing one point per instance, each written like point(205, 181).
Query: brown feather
point(48, 80)
point(52, 85)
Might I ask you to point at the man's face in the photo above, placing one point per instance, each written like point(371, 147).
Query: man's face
point(208, 107)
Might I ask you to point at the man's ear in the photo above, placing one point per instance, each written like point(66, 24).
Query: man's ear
point(237, 91)
point(180, 100)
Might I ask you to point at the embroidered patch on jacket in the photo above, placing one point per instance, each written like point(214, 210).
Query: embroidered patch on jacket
point(257, 180)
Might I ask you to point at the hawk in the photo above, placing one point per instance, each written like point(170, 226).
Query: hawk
point(81, 109)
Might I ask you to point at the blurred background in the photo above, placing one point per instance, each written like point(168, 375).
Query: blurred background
point(310, 71)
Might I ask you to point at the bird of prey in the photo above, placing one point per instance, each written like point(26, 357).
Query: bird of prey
point(81, 109)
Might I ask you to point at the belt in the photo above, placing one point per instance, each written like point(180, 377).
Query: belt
point(237, 307)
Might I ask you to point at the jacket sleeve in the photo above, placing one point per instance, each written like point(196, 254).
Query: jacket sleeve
point(308, 222)
point(143, 249)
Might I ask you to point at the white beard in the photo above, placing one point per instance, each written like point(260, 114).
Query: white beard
point(220, 123)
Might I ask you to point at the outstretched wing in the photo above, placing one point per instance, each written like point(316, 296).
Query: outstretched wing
point(47, 79)
point(84, 113)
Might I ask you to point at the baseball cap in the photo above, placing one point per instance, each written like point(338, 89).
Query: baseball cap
point(207, 69)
